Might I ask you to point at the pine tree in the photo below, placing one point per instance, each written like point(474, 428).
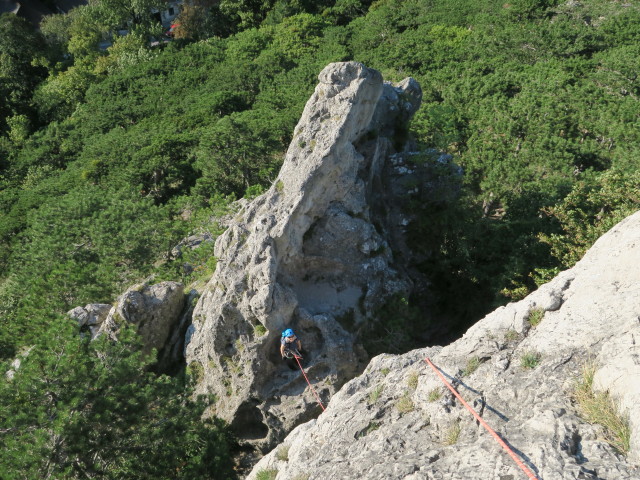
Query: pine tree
point(77, 408)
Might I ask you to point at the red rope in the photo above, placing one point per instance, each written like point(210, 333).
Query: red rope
point(307, 379)
point(527, 472)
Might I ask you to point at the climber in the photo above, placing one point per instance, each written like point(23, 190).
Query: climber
point(290, 345)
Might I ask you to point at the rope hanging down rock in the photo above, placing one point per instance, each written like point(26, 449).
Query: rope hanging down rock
point(308, 382)
point(502, 443)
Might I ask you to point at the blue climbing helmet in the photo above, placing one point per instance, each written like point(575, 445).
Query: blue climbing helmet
point(288, 333)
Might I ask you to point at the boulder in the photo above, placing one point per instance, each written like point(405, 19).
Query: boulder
point(90, 316)
point(153, 309)
point(398, 421)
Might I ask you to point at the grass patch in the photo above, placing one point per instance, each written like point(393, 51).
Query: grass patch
point(472, 365)
point(412, 380)
point(599, 407)
point(452, 434)
point(266, 475)
point(405, 404)
point(372, 427)
point(195, 372)
point(435, 395)
point(530, 360)
point(385, 371)
point(511, 336)
point(535, 316)
point(374, 395)
point(260, 330)
point(283, 454)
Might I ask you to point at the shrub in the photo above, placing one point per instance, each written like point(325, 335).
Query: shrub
point(530, 360)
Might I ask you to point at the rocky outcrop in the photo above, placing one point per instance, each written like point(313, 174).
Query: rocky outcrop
point(91, 316)
point(153, 309)
point(396, 421)
point(311, 254)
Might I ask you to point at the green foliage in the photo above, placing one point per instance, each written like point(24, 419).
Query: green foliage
point(126, 51)
point(236, 154)
point(60, 94)
point(69, 255)
point(78, 409)
point(593, 207)
point(530, 359)
point(299, 35)
point(21, 66)
point(111, 14)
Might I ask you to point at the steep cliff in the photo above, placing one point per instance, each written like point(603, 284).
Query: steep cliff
point(522, 366)
point(313, 254)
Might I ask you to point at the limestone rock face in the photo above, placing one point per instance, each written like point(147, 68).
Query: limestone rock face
point(305, 255)
point(91, 316)
point(154, 309)
point(397, 421)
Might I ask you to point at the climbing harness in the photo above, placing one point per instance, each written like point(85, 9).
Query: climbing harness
point(297, 357)
point(502, 443)
point(292, 353)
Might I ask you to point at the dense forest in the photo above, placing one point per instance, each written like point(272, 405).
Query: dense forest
point(110, 156)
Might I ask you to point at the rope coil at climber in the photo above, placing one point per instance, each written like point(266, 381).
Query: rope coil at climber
point(308, 382)
point(502, 443)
